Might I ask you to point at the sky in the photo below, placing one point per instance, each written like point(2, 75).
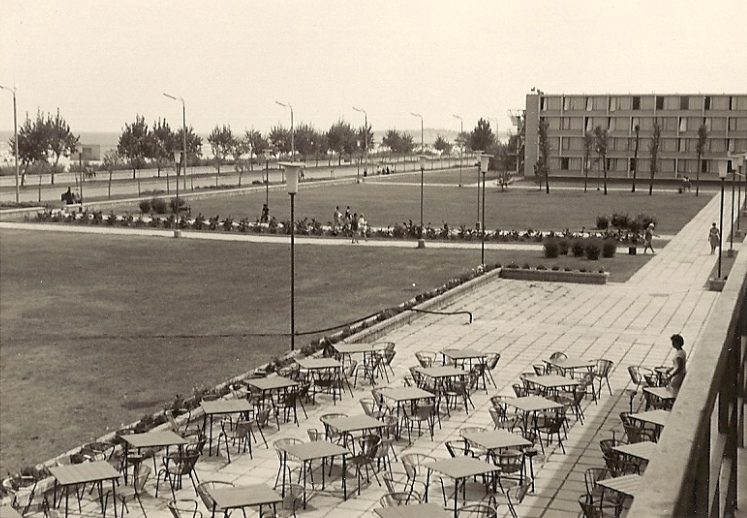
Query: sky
point(103, 63)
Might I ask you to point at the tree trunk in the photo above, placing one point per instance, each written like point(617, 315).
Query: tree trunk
point(635, 161)
point(605, 174)
point(547, 180)
point(697, 175)
point(109, 195)
point(586, 174)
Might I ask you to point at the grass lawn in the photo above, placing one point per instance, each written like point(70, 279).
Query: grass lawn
point(98, 330)
point(388, 203)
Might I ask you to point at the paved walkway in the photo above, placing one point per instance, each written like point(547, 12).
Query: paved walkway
point(627, 323)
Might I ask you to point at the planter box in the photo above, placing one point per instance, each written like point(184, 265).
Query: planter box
point(716, 284)
point(522, 274)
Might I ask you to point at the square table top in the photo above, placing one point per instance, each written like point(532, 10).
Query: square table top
point(553, 381)
point(496, 439)
point(642, 450)
point(664, 393)
point(463, 354)
point(657, 417)
point(154, 439)
point(400, 394)
point(533, 403)
point(570, 363)
point(243, 496)
point(353, 348)
point(271, 383)
point(7, 511)
point(319, 363)
point(316, 450)
point(226, 406)
point(72, 474)
point(627, 484)
point(462, 467)
point(354, 423)
point(441, 372)
point(413, 511)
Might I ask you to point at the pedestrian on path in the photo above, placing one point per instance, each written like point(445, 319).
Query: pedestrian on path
point(362, 226)
point(714, 237)
point(265, 217)
point(648, 235)
point(679, 363)
point(336, 219)
point(354, 228)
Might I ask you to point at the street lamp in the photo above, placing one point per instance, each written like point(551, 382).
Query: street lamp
point(292, 173)
point(461, 146)
point(478, 153)
point(421, 241)
point(365, 139)
point(293, 133)
point(422, 147)
point(267, 152)
point(184, 145)
point(723, 169)
point(484, 163)
point(15, 132)
point(177, 159)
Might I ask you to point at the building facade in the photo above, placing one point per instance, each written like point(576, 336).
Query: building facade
point(570, 117)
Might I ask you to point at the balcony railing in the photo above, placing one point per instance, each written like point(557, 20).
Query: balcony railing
point(694, 472)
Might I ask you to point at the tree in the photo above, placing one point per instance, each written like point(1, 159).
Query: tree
point(280, 139)
point(134, 143)
point(222, 142)
point(33, 143)
point(464, 140)
point(601, 146)
point(543, 167)
point(257, 143)
point(504, 162)
point(482, 136)
point(342, 139)
point(240, 148)
point(589, 146)
point(304, 140)
point(365, 138)
point(111, 161)
point(163, 144)
point(635, 154)
point(321, 145)
point(653, 147)
point(700, 148)
point(62, 142)
point(442, 145)
point(194, 149)
point(393, 140)
point(408, 144)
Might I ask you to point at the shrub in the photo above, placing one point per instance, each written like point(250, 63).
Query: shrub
point(541, 267)
point(577, 248)
point(593, 249)
point(609, 248)
point(173, 206)
point(526, 266)
point(602, 222)
point(158, 205)
point(646, 219)
point(555, 268)
point(620, 221)
point(563, 245)
point(145, 206)
point(551, 248)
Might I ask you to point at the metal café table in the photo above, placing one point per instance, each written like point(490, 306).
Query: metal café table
point(359, 348)
point(271, 384)
point(222, 407)
point(402, 395)
point(531, 405)
point(657, 417)
point(346, 426)
point(315, 365)
point(157, 439)
point(413, 511)
point(491, 440)
point(627, 484)
point(641, 450)
point(460, 469)
point(570, 364)
point(553, 382)
point(664, 394)
point(227, 498)
point(463, 356)
point(85, 473)
point(307, 452)
point(439, 375)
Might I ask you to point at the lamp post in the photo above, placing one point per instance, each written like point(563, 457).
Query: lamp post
point(267, 152)
point(422, 147)
point(184, 145)
point(479, 164)
point(461, 146)
point(294, 170)
point(293, 133)
point(484, 163)
point(421, 241)
point(15, 133)
point(723, 169)
point(730, 252)
point(365, 140)
point(177, 159)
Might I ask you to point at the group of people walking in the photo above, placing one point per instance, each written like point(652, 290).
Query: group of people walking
point(351, 222)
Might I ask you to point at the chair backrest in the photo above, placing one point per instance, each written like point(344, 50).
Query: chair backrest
point(603, 368)
point(510, 461)
point(471, 429)
point(143, 474)
point(478, 511)
point(519, 390)
point(412, 463)
point(458, 448)
point(390, 346)
point(184, 505)
point(618, 465)
point(389, 482)
point(393, 499)
point(294, 494)
point(635, 375)
point(187, 461)
point(370, 445)
point(349, 369)
point(515, 494)
point(281, 444)
point(558, 355)
point(498, 417)
point(368, 404)
point(425, 358)
point(389, 356)
point(539, 370)
point(202, 491)
point(492, 360)
point(592, 476)
point(314, 434)
point(606, 445)
point(390, 425)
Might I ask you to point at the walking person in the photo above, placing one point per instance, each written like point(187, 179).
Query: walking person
point(714, 238)
point(648, 235)
point(362, 226)
point(265, 217)
point(336, 219)
point(679, 363)
point(354, 228)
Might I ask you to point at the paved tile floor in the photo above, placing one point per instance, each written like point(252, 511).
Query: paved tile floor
point(628, 323)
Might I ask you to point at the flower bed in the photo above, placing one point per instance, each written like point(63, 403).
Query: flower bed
point(554, 275)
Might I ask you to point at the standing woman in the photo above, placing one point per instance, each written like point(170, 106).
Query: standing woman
point(678, 370)
point(714, 237)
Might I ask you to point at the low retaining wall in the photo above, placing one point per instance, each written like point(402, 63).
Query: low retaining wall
point(524, 274)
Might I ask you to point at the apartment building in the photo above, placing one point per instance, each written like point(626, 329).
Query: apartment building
point(570, 117)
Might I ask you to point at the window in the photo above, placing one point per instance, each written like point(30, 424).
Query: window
point(732, 103)
point(566, 123)
point(613, 104)
point(589, 103)
point(610, 164)
point(732, 124)
point(704, 166)
point(637, 102)
point(588, 125)
point(564, 163)
point(543, 104)
point(631, 164)
point(707, 121)
point(659, 102)
point(610, 123)
point(684, 102)
point(707, 102)
point(635, 121)
point(681, 145)
point(683, 124)
point(566, 103)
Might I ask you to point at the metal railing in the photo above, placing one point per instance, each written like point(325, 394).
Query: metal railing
point(694, 471)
